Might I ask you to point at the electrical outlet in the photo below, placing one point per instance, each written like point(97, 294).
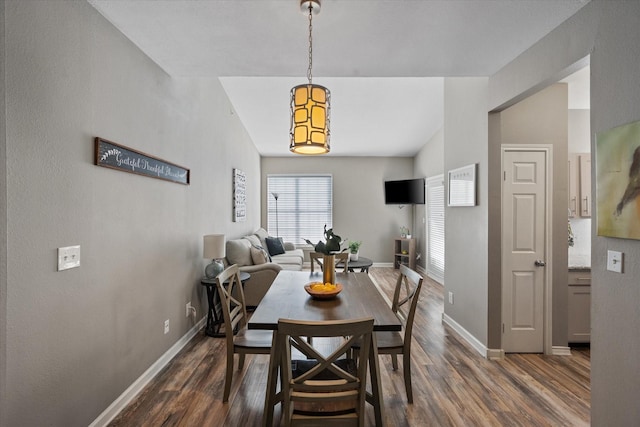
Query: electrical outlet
point(188, 310)
point(450, 297)
point(166, 326)
point(68, 257)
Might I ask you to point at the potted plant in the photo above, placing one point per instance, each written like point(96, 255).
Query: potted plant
point(354, 249)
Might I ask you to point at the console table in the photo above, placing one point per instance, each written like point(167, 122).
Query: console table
point(214, 313)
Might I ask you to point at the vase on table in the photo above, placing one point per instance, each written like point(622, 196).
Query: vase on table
point(353, 256)
point(329, 269)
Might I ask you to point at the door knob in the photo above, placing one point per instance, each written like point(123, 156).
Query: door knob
point(540, 263)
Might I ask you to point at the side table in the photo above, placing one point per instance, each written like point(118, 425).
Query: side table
point(362, 263)
point(214, 314)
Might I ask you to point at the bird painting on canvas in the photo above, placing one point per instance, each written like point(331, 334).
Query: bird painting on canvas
point(633, 187)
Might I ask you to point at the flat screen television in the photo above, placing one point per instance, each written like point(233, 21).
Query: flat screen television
point(404, 192)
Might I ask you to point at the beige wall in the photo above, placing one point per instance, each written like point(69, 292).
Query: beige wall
point(359, 212)
point(541, 118)
point(75, 340)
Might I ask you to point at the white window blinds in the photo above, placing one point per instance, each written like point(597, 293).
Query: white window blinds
point(435, 228)
point(304, 206)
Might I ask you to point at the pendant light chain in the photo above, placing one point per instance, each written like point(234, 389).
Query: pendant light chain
point(310, 104)
point(310, 42)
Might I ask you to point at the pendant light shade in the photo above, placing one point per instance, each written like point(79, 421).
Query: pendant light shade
point(310, 118)
point(310, 105)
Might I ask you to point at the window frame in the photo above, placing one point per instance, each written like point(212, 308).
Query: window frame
point(295, 222)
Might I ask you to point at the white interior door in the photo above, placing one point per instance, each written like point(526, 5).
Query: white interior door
point(524, 231)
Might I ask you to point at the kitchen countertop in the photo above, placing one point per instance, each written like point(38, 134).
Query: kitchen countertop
point(579, 268)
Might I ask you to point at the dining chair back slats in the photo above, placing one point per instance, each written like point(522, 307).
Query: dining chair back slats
point(323, 388)
point(405, 302)
point(411, 282)
point(234, 314)
point(341, 261)
point(315, 258)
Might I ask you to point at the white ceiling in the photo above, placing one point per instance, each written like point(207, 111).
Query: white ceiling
point(383, 60)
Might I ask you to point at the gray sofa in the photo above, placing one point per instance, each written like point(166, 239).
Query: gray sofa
point(249, 253)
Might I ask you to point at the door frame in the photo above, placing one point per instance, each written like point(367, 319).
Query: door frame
point(548, 282)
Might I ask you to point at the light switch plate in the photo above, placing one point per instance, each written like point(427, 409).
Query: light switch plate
point(68, 257)
point(614, 261)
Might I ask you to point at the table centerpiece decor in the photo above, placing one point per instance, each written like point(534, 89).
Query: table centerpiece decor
point(328, 248)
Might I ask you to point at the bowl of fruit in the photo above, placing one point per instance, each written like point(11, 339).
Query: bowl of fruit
point(319, 290)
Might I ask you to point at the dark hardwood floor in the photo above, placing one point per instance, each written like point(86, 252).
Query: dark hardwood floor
point(452, 384)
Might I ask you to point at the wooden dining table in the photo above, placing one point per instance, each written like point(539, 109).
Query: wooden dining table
point(287, 299)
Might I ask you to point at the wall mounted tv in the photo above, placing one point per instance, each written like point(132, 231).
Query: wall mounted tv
point(404, 192)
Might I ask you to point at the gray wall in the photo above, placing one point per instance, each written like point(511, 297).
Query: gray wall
point(615, 317)
point(3, 229)
point(608, 31)
point(427, 163)
point(359, 212)
point(75, 340)
point(541, 118)
point(466, 232)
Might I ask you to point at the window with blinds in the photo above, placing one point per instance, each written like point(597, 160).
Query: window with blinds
point(304, 206)
point(435, 228)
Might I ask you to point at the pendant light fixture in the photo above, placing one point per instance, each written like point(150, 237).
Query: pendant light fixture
point(310, 105)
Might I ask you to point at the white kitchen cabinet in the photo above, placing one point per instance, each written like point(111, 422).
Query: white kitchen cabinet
point(579, 171)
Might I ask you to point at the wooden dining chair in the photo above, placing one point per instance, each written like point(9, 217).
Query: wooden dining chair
point(323, 387)
point(342, 258)
point(316, 258)
point(405, 301)
point(234, 312)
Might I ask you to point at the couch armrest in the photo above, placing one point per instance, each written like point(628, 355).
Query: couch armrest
point(261, 267)
point(262, 276)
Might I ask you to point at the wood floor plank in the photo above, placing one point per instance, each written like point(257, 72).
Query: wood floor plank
point(452, 384)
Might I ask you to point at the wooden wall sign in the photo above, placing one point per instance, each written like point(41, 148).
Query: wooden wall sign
point(116, 156)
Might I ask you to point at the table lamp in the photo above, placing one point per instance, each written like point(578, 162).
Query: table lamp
point(214, 249)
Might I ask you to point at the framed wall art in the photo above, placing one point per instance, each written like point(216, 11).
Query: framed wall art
point(239, 196)
point(462, 186)
point(618, 181)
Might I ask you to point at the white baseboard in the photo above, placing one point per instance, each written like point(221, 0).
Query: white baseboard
point(495, 354)
point(138, 385)
point(492, 353)
point(558, 350)
point(464, 334)
point(382, 264)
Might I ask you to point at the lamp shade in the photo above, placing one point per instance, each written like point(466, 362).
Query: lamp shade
point(214, 246)
point(310, 119)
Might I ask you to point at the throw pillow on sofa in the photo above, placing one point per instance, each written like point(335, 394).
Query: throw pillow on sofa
point(238, 252)
point(259, 255)
point(275, 246)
